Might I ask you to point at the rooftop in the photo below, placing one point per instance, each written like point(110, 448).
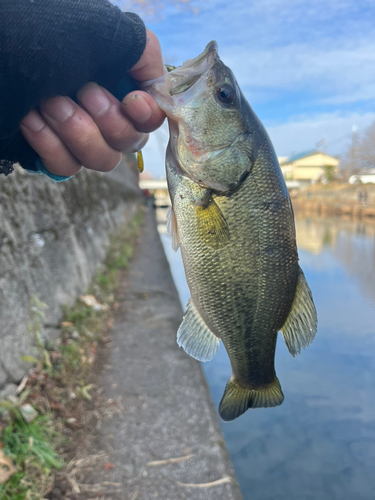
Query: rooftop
point(298, 156)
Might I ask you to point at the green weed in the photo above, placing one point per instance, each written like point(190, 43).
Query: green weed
point(30, 447)
point(60, 378)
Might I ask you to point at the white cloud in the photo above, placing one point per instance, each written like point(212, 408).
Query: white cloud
point(332, 76)
point(303, 132)
point(325, 48)
point(284, 52)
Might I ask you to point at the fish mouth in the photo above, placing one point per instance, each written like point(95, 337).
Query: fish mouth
point(182, 78)
point(210, 50)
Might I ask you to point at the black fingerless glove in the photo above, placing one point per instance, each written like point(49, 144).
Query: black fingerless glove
point(54, 47)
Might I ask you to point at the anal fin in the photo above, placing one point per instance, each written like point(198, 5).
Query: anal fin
point(301, 324)
point(195, 337)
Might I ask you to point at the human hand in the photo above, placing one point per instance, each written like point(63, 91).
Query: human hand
point(94, 133)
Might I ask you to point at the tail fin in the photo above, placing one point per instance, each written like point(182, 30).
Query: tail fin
point(237, 399)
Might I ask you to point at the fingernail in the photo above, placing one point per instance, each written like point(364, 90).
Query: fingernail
point(33, 121)
point(142, 141)
point(59, 108)
point(137, 108)
point(94, 99)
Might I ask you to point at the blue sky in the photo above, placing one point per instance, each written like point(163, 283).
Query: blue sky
point(306, 67)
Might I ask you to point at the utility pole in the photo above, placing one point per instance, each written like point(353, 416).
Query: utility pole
point(322, 144)
point(353, 162)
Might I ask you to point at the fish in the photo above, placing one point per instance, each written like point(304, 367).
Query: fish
point(232, 218)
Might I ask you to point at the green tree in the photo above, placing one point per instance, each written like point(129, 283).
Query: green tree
point(329, 172)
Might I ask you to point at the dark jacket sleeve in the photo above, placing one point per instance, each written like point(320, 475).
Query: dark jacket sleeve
point(54, 47)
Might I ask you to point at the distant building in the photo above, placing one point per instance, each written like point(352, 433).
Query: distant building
point(308, 167)
point(155, 187)
point(367, 177)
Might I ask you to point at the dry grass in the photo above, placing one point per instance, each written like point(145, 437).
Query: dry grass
point(60, 389)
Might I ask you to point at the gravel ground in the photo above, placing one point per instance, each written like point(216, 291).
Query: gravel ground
point(163, 438)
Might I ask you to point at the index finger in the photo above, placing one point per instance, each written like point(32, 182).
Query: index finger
point(150, 65)
point(138, 106)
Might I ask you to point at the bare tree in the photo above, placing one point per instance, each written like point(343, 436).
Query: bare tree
point(366, 149)
point(361, 154)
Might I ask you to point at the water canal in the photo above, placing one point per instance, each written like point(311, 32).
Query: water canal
point(320, 444)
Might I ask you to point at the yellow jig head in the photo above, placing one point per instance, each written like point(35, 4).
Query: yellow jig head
point(141, 164)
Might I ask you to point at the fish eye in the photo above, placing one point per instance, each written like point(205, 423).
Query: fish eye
point(226, 94)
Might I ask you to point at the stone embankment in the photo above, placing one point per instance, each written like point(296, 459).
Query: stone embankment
point(166, 441)
point(53, 237)
point(357, 201)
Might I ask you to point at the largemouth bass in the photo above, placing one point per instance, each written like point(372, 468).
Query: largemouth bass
point(233, 220)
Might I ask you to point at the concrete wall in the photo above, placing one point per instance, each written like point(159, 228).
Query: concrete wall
point(53, 238)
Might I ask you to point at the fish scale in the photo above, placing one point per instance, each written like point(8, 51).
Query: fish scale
point(232, 218)
point(239, 315)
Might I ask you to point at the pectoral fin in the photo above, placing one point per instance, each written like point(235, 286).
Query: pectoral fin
point(195, 337)
point(212, 226)
point(300, 326)
point(172, 229)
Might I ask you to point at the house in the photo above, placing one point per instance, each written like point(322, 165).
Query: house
point(309, 167)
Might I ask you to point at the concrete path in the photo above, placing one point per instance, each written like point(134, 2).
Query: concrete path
point(167, 408)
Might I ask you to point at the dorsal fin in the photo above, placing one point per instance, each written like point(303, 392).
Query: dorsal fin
point(301, 324)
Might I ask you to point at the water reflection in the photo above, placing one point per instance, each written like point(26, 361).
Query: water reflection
point(352, 243)
point(320, 444)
